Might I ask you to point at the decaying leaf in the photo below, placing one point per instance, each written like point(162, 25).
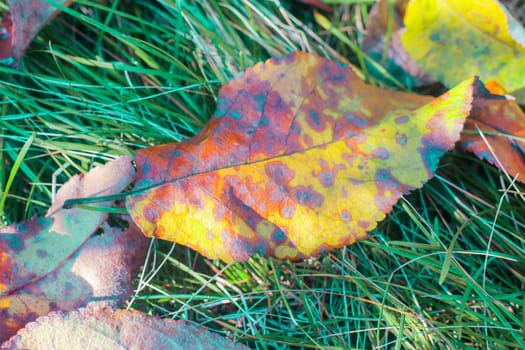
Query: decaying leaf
point(6, 39)
point(54, 263)
point(499, 118)
point(104, 328)
point(300, 156)
point(21, 23)
point(382, 42)
point(502, 122)
point(454, 39)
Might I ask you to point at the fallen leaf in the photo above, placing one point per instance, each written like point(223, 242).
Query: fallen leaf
point(300, 156)
point(104, 328)
point(502, 123)
point(382, 42)
point(21, 23)
point(54, 263)
point(454, 39)
point(6, 39)
point(500, 119)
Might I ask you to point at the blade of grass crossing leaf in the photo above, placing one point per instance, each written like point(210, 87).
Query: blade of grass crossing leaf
point(69, 203)
point(14, 170)
point(103, 209)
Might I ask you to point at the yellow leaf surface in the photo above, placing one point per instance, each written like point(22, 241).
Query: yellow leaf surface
point(455, 39)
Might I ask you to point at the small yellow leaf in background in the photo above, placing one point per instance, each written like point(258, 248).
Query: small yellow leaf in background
point(454, 39)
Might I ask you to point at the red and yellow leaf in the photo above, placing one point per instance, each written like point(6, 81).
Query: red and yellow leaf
point(104, 328)
point(54, 263)
point(21, 23)
point(502, 122)
point(454, 39)
point(300, 156)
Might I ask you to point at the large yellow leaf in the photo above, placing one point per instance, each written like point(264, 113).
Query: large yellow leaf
point(455, 39)
point(301, 156)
